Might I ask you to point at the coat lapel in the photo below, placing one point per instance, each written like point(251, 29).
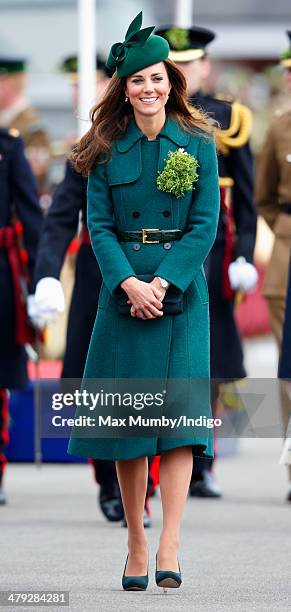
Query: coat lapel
point(171, 137)
point(125, 165)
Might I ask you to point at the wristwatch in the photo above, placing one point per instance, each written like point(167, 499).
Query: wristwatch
point(164, 283)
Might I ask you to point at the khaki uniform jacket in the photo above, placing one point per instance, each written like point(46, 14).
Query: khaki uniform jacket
point(272, 189)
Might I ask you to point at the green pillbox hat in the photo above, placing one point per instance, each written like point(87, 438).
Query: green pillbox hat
point(140, 49)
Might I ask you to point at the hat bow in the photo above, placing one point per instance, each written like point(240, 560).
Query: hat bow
point(135, 37)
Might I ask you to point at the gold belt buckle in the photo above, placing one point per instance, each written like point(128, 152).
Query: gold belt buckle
point(144, 235)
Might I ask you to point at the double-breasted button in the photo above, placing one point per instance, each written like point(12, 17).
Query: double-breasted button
point(136, 214)
point(167, 213)
point(136, 246)
point(167, 245)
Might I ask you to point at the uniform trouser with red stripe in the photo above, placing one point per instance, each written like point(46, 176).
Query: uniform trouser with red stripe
point(4, 434)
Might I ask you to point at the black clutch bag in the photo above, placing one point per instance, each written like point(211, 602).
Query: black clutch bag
point(172, 302)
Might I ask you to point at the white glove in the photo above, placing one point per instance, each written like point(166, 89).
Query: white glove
point(49, 297)
point(33, 313)
point(242, 275)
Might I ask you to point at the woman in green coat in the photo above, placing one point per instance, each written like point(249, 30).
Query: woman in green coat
point(151, 161)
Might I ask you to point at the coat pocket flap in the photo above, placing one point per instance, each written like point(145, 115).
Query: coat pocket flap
point(124, 167)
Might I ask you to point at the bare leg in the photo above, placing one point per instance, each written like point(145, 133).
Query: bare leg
point(133, 477)
point(175, 475)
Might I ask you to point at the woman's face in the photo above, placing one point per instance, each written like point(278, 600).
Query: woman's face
point(148, 90)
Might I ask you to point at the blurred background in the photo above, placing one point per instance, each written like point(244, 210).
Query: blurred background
point(250, 35)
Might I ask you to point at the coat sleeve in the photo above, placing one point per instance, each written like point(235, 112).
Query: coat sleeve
point(25, 200)
point(240, 163)
point(60, 224)
point(267, 178)
point(181, 264)
point(111, 258)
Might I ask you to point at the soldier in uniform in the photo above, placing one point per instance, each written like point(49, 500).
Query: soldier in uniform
point(60, 227)
point(229, 267)
point(69, 66)
point(16, 112)
point(273, 199)
point(18, 193)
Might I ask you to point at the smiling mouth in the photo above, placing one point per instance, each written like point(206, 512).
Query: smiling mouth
point(148, 100)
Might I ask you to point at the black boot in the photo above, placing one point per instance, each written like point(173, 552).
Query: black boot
point(204, 485)
point(110, 501)
point(108, 496)
point(202, 482)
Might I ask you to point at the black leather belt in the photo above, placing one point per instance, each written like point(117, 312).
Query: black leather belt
point(285, 208)
point(151, 236)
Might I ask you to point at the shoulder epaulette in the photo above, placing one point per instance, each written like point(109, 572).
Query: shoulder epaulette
point(239, 131)
point(224, 98)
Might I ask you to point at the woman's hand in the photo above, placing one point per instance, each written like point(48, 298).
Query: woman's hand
point(145, 298)
point(156, 283)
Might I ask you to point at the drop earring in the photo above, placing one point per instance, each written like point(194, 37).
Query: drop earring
point(126, 99)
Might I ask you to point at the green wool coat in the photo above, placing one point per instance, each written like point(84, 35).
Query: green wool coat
point(123, 195)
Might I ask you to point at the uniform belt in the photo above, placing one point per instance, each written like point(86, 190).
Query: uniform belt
point(151, 236)
point(285, 208)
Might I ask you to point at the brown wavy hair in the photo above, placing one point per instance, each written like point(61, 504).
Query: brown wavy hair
point(111, 115)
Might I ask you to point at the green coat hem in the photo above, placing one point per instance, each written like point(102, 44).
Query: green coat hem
point(198, 449)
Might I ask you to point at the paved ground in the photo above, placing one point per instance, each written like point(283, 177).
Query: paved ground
point(235, 553)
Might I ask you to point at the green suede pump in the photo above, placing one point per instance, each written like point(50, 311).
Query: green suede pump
point(167, 578)
point(134, 583)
